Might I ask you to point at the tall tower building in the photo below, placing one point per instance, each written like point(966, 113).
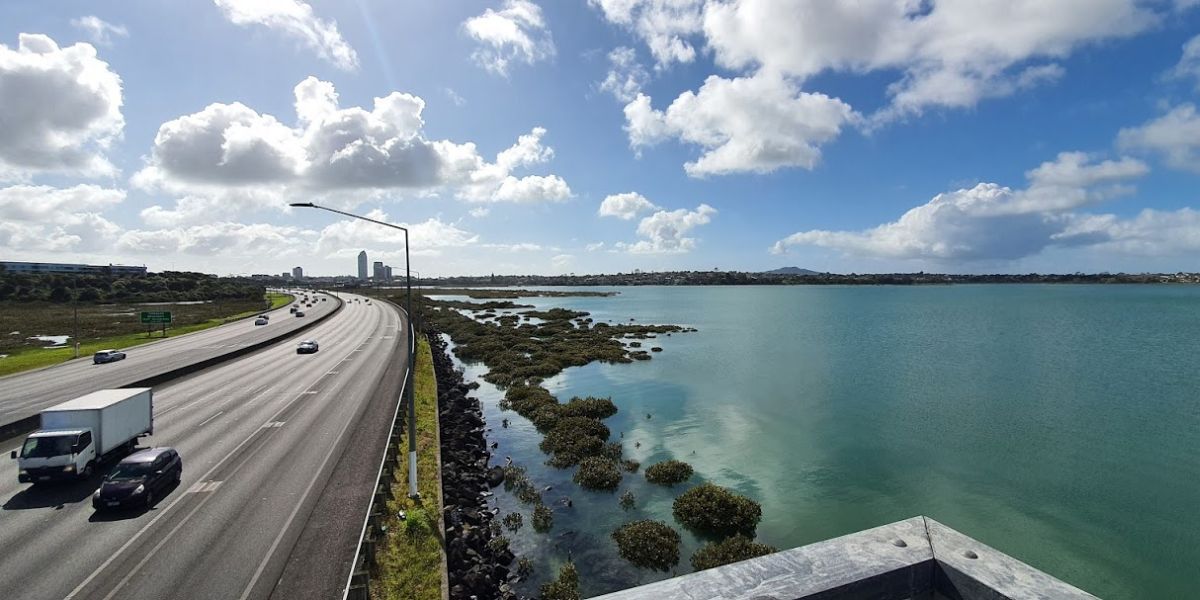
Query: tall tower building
point(387, 273)
point(362, 265)
point(377, 272)
point(297, 273)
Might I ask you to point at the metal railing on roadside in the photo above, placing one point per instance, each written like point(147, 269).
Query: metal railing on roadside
point(358, 582)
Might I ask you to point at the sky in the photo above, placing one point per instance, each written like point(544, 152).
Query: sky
point(603, 136)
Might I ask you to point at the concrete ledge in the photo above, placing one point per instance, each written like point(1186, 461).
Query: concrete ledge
point(31, 423)
point(916, 558)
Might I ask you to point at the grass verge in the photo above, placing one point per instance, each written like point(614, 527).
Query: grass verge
point(27, 358)
point(411, 559)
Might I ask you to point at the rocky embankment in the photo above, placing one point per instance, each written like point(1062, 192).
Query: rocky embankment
point(478, 567)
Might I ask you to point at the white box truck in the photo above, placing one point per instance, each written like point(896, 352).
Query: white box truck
point(79, 434)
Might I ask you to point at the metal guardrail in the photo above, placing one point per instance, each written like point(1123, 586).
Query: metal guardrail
point(358, 581)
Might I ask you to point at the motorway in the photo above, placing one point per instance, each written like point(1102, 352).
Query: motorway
point(26, 394)
point(259, 436)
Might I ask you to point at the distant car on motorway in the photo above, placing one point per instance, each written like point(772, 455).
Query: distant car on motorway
point(139, 478)
point(107, 356)
point(299, 313)
point(265, 316)
point(260, 321)
point(307, 347)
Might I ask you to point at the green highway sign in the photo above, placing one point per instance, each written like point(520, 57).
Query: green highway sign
point(163, 317)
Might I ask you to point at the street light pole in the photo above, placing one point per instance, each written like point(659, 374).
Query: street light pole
point(412, 346)
point(75, 309)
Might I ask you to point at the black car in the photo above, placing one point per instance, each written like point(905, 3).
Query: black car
point(138, 478)
point(307, 347)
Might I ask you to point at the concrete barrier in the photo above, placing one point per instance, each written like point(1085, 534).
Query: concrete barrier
point(914, 558)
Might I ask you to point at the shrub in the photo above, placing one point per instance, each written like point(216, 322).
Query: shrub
point(648, 544)
point(712, 509)
point(596, 408)
point(543, 518)
point(513, 521)
point(418, 522)
point(627, 500)
point(597, 474)
point(630, 465)
point(669, 472)
point(573, 439)
point(524, 567)
point(728, 550)
point(498, 544)
point(566, 587)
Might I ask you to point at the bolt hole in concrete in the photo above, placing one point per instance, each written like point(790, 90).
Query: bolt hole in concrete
point(899, 543)
point(970, 554)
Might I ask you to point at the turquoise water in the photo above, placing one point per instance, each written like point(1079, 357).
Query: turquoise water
point(1059, 424)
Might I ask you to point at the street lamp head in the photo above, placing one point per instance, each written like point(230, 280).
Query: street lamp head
point(304, 204)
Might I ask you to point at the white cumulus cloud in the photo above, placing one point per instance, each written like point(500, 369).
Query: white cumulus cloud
point(666, 26)
point(48, 219)
point(747, 124)
point(515, 33)
point(625, 206)
point(1175, 135)
point(666, 232)
point(626, 76)
point(233, 157)
point(295, 19)
point(60, 109)
point(988, 221)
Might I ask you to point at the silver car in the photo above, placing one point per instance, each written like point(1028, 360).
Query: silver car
point(107, 356)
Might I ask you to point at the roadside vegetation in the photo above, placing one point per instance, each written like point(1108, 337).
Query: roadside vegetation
point(103, 326)
point(410, 559)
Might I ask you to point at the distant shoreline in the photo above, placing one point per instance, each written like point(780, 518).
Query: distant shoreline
point(705, 278)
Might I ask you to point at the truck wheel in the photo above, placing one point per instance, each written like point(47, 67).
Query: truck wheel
point(86, 473)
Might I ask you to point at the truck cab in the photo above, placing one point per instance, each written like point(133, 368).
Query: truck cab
point(55, 455)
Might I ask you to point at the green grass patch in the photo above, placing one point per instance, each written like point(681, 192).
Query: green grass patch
point(279, 300)
point(411, 559)
point(104, 326)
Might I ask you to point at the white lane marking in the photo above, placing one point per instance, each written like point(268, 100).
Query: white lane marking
point(288, 524)
point(139, 533)
point(309, 392)
point(334, 372)
point(388, 337)
point(152, 553)
point(205, 422)
point(201, 487)
point(273, 424)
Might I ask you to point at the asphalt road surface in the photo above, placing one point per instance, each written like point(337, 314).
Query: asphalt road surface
point(259, 436)
point(26, 394)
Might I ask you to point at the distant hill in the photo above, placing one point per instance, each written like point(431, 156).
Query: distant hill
point(791, 271)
